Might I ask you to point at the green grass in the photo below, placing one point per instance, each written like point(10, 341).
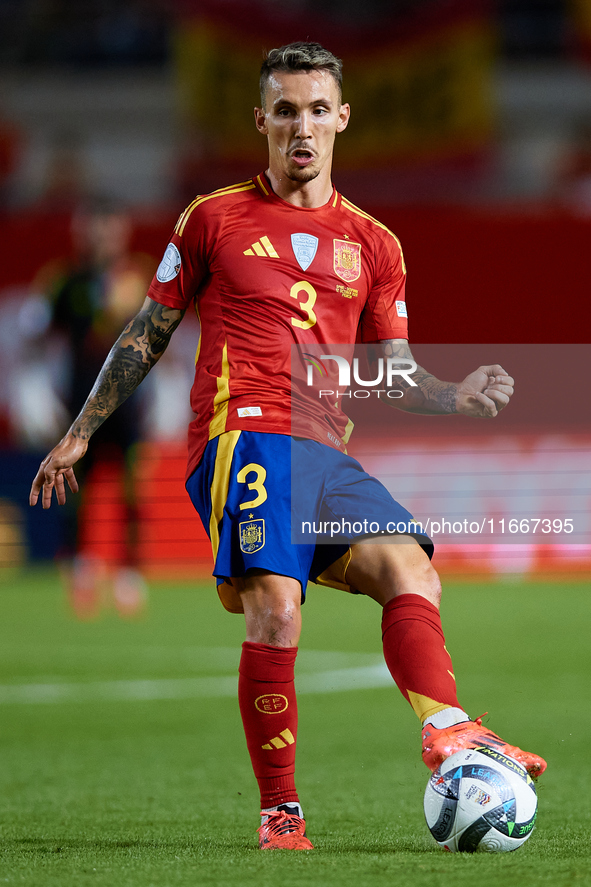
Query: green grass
point(160, 792)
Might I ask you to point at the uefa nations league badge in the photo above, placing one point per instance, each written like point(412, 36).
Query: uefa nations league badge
point(304, 248)
point(170, 265)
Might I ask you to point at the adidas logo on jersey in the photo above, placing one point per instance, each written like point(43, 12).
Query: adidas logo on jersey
point(262, 247)
point(285, 738)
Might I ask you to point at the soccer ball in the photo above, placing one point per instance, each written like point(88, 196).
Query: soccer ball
point(479, 799)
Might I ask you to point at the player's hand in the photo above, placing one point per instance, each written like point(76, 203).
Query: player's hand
point(56, 470)
point(485, 392)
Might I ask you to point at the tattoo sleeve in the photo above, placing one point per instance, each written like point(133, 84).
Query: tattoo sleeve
point(141, 344)
point(430, 395)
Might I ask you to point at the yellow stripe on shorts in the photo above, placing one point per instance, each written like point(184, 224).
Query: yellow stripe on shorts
point(220, 484)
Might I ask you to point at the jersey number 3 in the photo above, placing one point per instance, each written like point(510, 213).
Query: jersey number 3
point(256, 484)
point(307, 307)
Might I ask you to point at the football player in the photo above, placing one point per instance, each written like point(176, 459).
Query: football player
point(280, 260)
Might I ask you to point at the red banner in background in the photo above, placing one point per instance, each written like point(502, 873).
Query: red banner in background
point(473, 274)
point(419, 83)
point(509, 530)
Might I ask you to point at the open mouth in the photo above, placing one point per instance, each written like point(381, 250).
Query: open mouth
point(302, 156)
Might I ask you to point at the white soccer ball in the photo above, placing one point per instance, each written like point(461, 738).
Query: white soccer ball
point(480, 799)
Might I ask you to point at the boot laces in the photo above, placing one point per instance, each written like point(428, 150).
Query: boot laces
point(280, 823)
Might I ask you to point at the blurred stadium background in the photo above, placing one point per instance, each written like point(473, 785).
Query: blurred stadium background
point(470, 137)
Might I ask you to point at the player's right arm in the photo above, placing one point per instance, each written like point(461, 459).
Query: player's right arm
point(141, 345)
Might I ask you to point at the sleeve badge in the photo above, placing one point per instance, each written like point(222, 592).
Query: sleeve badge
point(170, 265)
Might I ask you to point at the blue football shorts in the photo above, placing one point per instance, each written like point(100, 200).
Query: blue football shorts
point(291, 506)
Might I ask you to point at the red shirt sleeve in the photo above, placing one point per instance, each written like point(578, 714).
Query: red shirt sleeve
point(185, 263)
point(384, 315)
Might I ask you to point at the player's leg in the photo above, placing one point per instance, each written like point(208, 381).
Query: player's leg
point(400, 577)
point(242, 492)
point(272, 608)
point(267, 698)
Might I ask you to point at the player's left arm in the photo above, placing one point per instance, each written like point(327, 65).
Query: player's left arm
point(482, 394)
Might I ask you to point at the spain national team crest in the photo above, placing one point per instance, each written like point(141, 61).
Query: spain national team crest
point(252, 535)
point(347, 260)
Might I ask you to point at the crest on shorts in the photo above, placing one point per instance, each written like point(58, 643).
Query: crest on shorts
point(347, 260)
point(304, 249)
point(252, 535)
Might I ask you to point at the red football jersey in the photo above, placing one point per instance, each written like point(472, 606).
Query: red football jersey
point(265, 275)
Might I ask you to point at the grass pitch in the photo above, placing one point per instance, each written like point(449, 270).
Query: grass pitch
point(122, 760)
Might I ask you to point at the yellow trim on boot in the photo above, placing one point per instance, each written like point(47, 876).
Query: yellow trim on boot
point(425, 707)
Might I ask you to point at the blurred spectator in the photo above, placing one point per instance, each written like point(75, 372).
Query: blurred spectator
point(84, 303)
point(66, 182)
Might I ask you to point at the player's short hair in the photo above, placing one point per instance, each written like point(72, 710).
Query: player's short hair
point(301, 56)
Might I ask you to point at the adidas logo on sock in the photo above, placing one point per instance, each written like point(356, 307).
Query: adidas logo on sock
point(262, 247)
point(285, 738)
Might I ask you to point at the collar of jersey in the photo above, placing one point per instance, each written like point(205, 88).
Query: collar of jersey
point(264, 186)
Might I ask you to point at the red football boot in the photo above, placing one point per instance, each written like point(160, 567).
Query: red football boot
point(440, 744)
point(283, 830)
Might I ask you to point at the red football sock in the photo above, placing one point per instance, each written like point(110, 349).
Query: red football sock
point(266, 694)
point(414, 650)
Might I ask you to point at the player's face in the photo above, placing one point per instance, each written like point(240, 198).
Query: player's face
point(301, 118)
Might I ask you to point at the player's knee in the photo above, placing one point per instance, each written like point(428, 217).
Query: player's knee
point(418, 577)
point(385, 572)
point(431, 584)
point(278, 626)
point(272, 611)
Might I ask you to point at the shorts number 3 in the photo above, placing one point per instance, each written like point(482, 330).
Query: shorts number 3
point(256, 484)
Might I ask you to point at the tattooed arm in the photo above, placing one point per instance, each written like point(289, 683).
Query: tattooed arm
point(141, 344)
point(482, 394)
